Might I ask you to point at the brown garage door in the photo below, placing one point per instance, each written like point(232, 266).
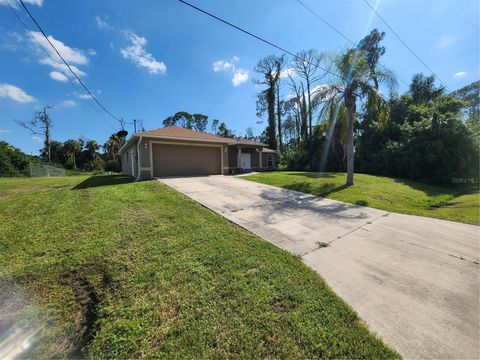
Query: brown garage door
point(184, 160)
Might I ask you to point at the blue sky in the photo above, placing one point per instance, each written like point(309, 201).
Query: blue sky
point(150, 59)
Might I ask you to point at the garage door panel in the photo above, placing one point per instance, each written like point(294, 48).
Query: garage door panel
point(184, 160)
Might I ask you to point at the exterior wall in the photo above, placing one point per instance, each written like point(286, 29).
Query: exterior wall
point(127, 160)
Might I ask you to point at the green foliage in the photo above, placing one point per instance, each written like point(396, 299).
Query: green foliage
point(13, 162)
point(459, 202)
point(423, 138)
point(116, 269)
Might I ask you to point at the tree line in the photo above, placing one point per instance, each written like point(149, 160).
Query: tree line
point(328, 112)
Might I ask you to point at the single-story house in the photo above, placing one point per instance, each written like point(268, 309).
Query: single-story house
point(175, 151)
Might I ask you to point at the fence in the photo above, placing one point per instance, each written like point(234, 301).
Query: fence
point(37, 170)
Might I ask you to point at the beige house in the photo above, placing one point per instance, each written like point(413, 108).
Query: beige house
point(174, 151)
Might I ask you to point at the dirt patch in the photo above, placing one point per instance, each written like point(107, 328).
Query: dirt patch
point(86, 284)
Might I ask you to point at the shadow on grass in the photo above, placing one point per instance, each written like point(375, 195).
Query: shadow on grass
point(103, 180)
point(313, 175)
point(322, 190)
point(440, 189)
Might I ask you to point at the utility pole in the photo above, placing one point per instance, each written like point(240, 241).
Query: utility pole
point(134, 126)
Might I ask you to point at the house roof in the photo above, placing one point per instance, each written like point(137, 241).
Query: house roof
point(269, 151)
point(178, 133)
point(182, 133)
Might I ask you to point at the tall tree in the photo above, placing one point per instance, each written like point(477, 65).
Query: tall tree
point(92, 148)
point(214, 125)
point(270, 68)
point(72, 148)
point(306, 65)
point(423, 89)
point(40, 125)
point(356, 82)
point(370, 44)
point(199, 122)
point(223, 130)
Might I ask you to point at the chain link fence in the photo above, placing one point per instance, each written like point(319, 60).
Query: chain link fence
point(39, 170)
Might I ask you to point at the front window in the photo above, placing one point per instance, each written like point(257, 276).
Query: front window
point(270, 160)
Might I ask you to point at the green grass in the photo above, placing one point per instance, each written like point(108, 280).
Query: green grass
point(108, 268)
point(396, 195)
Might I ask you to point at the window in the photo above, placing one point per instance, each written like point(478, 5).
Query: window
point(270, 160)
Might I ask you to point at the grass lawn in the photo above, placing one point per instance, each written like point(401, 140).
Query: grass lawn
point(103, 267)
point(397, 195)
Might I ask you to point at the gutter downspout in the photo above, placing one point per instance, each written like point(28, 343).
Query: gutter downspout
point(138, 158)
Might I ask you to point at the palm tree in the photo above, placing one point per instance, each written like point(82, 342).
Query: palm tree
point(92, 147)
point(356, 82)
point(72, 148)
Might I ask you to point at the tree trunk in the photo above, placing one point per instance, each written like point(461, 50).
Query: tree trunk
point(47, 135)
point(272, 131)
point(279, 119)
point(309, 110)
point(350, 106)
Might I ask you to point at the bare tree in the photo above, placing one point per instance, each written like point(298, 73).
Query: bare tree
point(307, 66)
point(40, 125)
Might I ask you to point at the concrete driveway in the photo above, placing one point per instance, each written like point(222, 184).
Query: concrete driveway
point(414, 280)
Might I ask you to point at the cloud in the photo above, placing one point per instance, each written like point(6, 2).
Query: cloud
point(102, 23)
point(15, 36)
point(14, 93)
point(139, 56)
point(84, 96)
point(287, 73)
point(222, 66)
point(69, 103)
point(70, 55)
point(91, 52)
point(56, 75)
point(14, 3)
point(445, 41)
point(240, 75)
point(74, 57)
point(5, 131)
point(460, 74)
point(37, 138)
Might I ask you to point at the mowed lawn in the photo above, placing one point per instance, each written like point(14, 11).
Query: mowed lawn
point(103, 267)
point(457, 203)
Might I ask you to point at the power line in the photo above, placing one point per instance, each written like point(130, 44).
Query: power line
point(335, 29)
point(256, 37)
point(325, 22)
point(66, 64)
point(403, 42)
point(60, 70)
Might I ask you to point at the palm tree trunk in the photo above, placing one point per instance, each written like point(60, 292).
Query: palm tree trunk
point(350, 106)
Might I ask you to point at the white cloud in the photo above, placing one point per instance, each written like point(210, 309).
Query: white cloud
point(71, 55)
point(240, 75)
point(15, 93)
point(138, 55)
point(84, 96)
point(5, 131)
point(14, 35)
point(222, 66)
point(69, 103)
point(91, 52)
point(460, 74)
point(37, 138)
point(14, 3)
point(56, 75)
point(287, 73)
point(102, 23)
point(445, 41)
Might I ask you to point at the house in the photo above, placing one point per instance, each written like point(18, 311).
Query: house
point(175, 151)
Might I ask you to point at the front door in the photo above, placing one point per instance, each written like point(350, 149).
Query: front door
point(245, 162)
